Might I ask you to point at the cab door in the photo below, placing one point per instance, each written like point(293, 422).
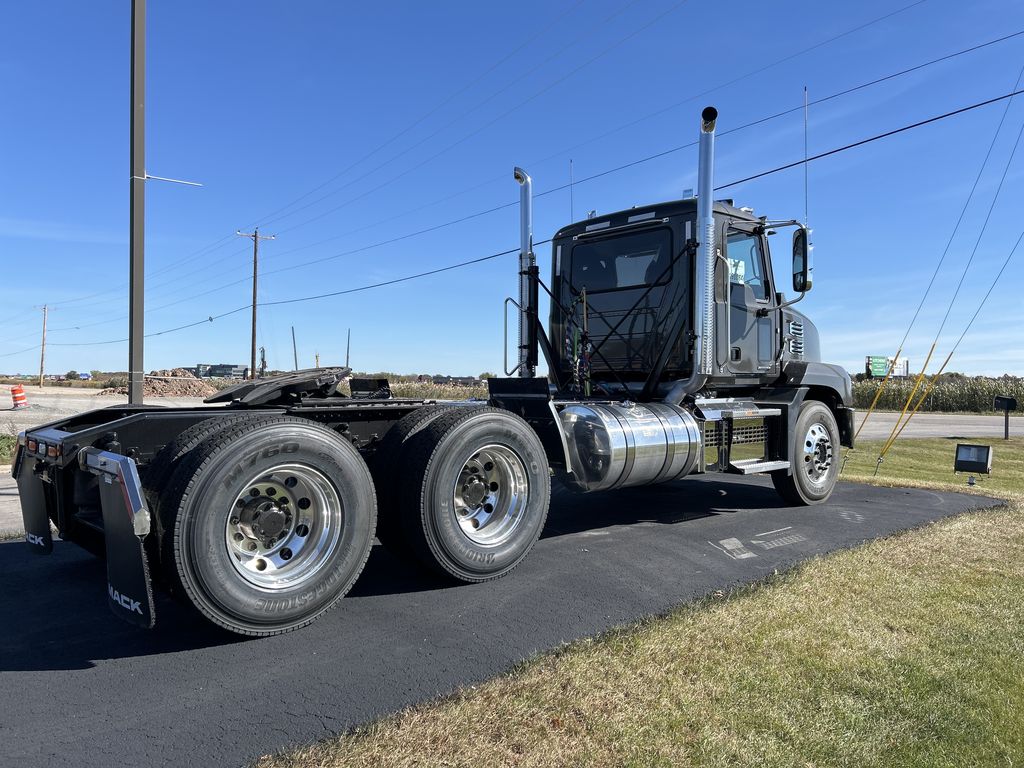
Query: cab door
point(753, 316)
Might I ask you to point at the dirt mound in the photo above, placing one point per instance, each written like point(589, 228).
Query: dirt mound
point(177, 382)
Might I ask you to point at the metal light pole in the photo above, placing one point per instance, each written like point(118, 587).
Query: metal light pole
point(42, 348)
point(137, 208)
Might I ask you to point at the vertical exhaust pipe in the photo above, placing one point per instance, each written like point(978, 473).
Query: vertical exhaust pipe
point(528, 277)
point(704, 282)
point(705, 298)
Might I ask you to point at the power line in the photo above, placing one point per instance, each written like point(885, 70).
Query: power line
point(741, 78)
point(483, 127)
point(762, 174)
point(244, 307)
point(838, 94)
point(870, 139)
point(221, 242)
point(938, 267)
point(269, 217)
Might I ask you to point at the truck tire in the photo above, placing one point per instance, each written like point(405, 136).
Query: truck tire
point(475, 494)
point(815, 457)
point(159, 471)
point(387, 465)
point(270, 522)
point(158, 474)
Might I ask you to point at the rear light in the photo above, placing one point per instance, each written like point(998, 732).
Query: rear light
point(32, 445)
point(53, 451)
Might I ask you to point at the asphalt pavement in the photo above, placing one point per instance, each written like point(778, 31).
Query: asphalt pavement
point(81, 688)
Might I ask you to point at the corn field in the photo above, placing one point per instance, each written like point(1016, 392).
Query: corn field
point(952, 393)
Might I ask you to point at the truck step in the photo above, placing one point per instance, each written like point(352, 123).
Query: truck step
point(718, 409)
point(756, 466)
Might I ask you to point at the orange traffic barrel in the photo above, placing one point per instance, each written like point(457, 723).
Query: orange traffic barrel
point(18, 396)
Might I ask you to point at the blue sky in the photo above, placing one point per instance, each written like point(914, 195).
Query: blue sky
point(404, 116)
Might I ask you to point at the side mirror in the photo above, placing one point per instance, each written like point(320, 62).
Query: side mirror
point(802, 279)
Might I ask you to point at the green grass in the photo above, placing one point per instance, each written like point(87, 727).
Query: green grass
point(7, 444)
point(907, 651)
point(930, 461)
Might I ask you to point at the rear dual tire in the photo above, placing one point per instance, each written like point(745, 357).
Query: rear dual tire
point(473, 496)
point(268, 522)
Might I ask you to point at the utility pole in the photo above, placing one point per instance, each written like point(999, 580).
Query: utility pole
point(42, 348)
point(256, 237)
point(348, 346)
point(295, 349)
point(137, 207)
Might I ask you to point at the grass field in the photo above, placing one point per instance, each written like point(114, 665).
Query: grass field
point(907, 651)
point(7, 443)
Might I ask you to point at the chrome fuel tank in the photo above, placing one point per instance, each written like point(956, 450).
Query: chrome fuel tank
point(613, 445)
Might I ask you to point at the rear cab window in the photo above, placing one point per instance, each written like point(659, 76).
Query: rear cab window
point(631, 260)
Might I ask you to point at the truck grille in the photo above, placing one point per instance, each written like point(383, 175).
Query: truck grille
point(796, 338)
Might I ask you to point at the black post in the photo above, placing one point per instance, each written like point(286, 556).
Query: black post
point(137, 206)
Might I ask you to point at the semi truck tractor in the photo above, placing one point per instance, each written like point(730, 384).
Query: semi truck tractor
point(670, 351)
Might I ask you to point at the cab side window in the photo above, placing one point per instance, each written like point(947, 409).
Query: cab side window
point(746, 265)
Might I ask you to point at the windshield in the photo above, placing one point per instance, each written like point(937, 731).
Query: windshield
point(627, 261)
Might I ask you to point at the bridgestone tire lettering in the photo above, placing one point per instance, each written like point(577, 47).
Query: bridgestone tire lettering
point(198, 502)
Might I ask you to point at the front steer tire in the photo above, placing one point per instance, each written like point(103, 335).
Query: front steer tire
point(316, 499)
point(476, 493)
point(815, 457)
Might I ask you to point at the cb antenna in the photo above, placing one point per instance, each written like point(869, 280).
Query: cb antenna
point(805, 157)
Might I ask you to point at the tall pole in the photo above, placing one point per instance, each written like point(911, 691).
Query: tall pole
point(42, 348)
point(348, 346)
point(256, 237)
point(137, 206)
point(295, 350)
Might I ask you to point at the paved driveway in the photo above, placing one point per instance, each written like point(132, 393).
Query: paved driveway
point(80, 688)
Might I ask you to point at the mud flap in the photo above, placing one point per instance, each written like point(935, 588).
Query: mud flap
point(126, 523)
point(33, 502)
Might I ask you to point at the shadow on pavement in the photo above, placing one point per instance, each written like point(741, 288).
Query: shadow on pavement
point(54, 612)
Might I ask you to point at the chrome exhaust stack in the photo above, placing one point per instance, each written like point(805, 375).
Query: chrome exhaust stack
point(704, 283)
point(528, 277)
point(704, 356)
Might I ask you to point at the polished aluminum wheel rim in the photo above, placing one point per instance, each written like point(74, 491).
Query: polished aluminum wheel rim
point(817, 453)
point(491, 494)
point(284, 526)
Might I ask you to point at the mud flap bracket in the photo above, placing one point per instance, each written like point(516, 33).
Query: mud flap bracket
point(126, 522)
